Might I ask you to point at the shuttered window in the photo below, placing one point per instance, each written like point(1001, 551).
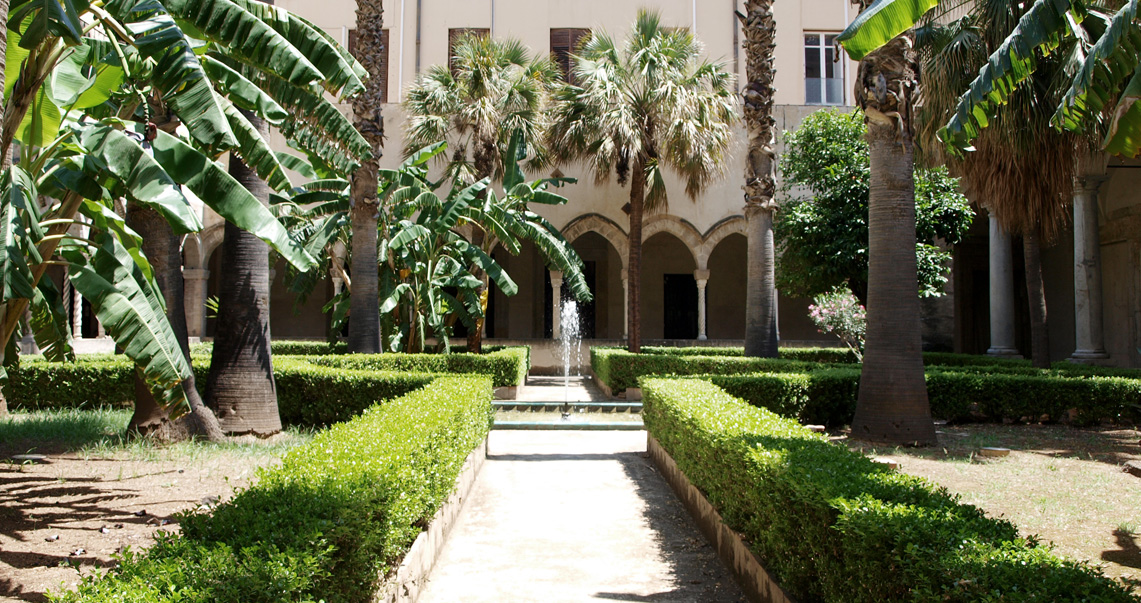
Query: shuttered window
point(565, 42)
point(454, 36)
point(383, 59)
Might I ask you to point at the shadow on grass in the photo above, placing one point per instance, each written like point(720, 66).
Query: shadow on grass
point(1128, 553)
point(56, 431)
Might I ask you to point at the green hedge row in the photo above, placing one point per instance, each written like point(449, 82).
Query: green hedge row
point(828, 396)
point(311, 390)
point(832, 525)
point(507, 366)
point(337, 515)
point(620, 369)
point(284, 347)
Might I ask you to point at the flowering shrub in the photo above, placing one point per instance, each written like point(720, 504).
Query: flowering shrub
point(840, 313)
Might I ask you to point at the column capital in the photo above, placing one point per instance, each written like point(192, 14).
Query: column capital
point(701, 275)
point(625, 274)
point(556, 278)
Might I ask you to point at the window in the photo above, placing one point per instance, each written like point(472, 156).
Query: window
point(565, 42)
point(383, 59)
point(823, 74)
point(454, 36)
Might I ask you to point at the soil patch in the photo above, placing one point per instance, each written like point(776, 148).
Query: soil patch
point(67, 517)
point(1066, 485)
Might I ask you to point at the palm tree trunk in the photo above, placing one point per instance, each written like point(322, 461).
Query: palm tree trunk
point(760, 185)
point(241, 389)
point(1036, 292)
point(484, 159)
point(364, 298)
point(892, 405)
point(162, 248)
point(634, 253)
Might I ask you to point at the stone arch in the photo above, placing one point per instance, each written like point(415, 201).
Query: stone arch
point(208, 240)
point(684, 231)
point(716, 234)
point(604, 228)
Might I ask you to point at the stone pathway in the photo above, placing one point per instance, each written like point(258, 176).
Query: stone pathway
point(575, 516)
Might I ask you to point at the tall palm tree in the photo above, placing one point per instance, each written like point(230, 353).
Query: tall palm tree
point(491, 90)
point(364, 327)
point(639, 107)
point(1021, 168)
point(241, 388)
point(760, 185)
point(892, 404)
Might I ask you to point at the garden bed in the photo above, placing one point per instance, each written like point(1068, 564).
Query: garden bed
point(830, 524)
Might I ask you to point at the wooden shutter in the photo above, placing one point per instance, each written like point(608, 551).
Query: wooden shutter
point(564, 42)
point(383, 59)
point(454, 36)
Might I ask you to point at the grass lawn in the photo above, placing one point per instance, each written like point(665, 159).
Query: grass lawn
point(99, 492)
point(1066, 485)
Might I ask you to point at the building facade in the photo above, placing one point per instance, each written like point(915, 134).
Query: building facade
point(693, 276)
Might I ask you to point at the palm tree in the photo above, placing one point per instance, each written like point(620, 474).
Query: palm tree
point(364, 327)
point(650, 103)
point(892, 404)
point(491, 89)
point(760, 185)
point(1021, 168)
point(241, 388)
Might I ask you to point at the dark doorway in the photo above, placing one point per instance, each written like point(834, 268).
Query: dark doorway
point(586, 321)
point(679, 298)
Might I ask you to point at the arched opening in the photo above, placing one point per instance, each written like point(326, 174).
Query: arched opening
point(669, 289)
point(602, 317)
point(519, 316)
point(725, 293)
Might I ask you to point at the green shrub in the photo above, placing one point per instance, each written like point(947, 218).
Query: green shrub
point(508, 366)
point(619, 369)
point(338, 513)
point(91, 381)
point(832, 525)
point(284, 347)
point(312, 395)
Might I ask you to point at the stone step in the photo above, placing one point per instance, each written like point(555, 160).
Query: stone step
point(560, 425)
point(540, 406)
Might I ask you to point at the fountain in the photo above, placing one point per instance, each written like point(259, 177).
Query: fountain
point(570, 343)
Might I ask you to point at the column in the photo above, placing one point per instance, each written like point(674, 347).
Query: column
point(1089, 335)
point(625, 304)
point(556, 304)
point(702, 277)
point(77, 316)
point(1001, 293)
point(338, 285)
point(195, 300)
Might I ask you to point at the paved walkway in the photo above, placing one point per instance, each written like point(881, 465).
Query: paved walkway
point(575, 516)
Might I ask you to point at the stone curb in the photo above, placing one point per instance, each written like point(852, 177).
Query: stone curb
point(405, 586)
point(751, 576)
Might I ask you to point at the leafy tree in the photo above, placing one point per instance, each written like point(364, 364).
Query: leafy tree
point(823, 235)
point(491, 91)
point(640, 107)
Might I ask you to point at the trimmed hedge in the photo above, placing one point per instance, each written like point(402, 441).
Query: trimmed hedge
point(284, 347)
point(832, 525)
point(311, 390)
point(337, 514)
point(619, 369)
point(507, 366)
point(828, 396)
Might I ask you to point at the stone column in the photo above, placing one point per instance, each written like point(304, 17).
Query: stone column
point(1089, 336)
point(625, 304)
point(702, 277)
point(1001, 293)
point(556, 304)
point(338, 285)
point(77, 316)
point(195, 300)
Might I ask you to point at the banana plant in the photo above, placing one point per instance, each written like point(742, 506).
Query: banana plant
point(136, 100)
point(1110, 75)
point(421, 283)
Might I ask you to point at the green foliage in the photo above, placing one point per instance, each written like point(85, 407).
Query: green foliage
point(821, 385)
point(329, 522)
point(312, 391)
point(823, 237)
point(832, 525)
point(507, 367)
